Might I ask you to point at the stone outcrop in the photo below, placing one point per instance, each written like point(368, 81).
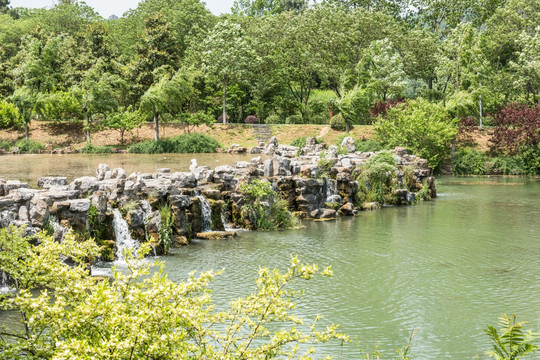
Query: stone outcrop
point(316, 183)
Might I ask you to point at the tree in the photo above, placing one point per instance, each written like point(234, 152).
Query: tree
point(67, 314)
point(267, 7)
point(156, 49)
point(422, 127)
point(381, 69)
point(9, 114)
point(166, 97)
point(25, 101)
point(355, 105)
point(228, 55)
point(123, 120)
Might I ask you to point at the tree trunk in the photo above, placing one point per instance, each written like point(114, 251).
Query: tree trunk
point(87, 128)
point(156, 126)
point(224, 97)
point(347, 126)
point(26, 131)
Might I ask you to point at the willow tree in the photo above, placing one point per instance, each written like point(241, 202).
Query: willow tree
point(227, 54)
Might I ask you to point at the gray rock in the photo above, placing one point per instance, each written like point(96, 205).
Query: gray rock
point(268, 168)
point(79, 205)
point(86, 184)
point(22, 194)
point(12, 185)
point(327, 214)
point(184, 179)
point(179, 201)
point(39, 212)
point(118, 173)
point(49, 182)
point(101, 171)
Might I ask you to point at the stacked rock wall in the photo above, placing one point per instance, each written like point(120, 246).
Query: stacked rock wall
point(313, 188)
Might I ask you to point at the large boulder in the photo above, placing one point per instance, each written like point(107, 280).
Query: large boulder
point(49, 182)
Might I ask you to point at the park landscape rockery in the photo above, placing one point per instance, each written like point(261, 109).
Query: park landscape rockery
point(296, 174)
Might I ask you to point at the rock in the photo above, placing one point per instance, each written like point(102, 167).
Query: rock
point(284, 166)
point(328, 214)
point(184, 179)
point(86, 184)
point(79, 205)
point(99, 201)
point(216, 235)
point(22, 194)
point(102, 171)
point(12, 185)
point(347, 209)
point(180, 201)
point(268, 168)
point(164, 171)
point(371, 206)
point(23, 213)
point(348, 144)
point(39, 212)
point(118, 173)
point(48, 182)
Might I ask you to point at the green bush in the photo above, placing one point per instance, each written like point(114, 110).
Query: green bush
point(469, 162)
point(337, 122)
point(294, 119)
point(530, 158)
point(505, 165)
point(301, 141)
point(369, 145)
point(263, 208)
point(422, 127)
point(376, 178)
point(30, 146)
point(9, 115)
point(185, 143)
point(274, 119)
point(94, 149)
point(5, 145)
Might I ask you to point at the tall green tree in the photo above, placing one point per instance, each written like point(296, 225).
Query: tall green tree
point(156, 49)
point(25, 100)
point(267, 7)
point(228, 55)
point(166, 97)
point(381, 69)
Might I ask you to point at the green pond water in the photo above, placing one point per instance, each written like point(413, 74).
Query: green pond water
point(446, 267)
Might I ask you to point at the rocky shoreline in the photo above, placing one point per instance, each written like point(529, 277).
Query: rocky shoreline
point(316, 183)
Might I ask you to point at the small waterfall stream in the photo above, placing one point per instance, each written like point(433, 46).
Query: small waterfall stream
point(4, 283)
point(123, 236)
point(206, 214)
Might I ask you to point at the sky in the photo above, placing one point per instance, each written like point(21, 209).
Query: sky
point(117, 7)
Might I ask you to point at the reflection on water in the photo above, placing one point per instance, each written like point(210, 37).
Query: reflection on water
point(28, 168)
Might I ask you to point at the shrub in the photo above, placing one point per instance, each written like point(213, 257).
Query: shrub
point(95, 149)
point(220, 119)
point(530, 159)
point(5, 145)
point(142, 314)
point(251, 119)
point(369, 145)
point(30, 146)
point(505, 165)
point(9, 115)
point(274, 119)
point(294, 119)
point(420, 126)
point(380, 108)
point(376, 178)
point(337, 122)
point(263, 208)
point(301, 141)
point(516, 127)
point(469, 162)
point(185, 143)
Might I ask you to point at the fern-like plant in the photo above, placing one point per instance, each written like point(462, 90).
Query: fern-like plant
point(513, 342)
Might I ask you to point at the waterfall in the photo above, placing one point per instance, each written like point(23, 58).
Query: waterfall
point(206, 214)
point(122, 235)
point(4, 283)
point(331, 189)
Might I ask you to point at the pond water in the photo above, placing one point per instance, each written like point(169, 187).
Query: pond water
point(446, 267)
point(28, 168)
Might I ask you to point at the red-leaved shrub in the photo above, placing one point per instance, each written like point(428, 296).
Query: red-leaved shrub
point(516, 126)
point(251, 119)
point(382, 107)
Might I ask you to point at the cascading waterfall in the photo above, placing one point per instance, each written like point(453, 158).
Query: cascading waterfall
point(331, 189)
point(206, 214)
point(4, 283)
point(124, 241)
